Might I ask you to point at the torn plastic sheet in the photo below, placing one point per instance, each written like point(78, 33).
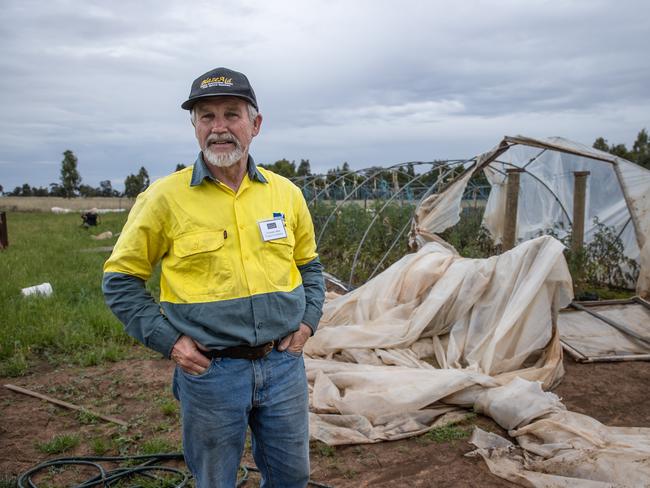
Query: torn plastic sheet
point(432, 332)
point(560, 448)
point(617, 195)
point(606, 331)
point(436, 334)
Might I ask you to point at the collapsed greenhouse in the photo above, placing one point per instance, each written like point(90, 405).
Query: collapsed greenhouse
point(434, 333)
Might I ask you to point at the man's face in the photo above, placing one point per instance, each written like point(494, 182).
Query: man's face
point(224, 130)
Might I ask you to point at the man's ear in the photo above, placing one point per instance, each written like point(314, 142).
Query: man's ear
point(257, 124)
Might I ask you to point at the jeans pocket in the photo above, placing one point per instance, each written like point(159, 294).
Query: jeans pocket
point(207, 371)
point(293, 354)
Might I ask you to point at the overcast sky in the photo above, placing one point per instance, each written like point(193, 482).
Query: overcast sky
point(368, 82)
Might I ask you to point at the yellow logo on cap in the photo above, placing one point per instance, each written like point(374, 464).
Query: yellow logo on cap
point(219, 81)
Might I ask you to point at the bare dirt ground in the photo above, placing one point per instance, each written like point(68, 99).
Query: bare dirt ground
point(138, 391)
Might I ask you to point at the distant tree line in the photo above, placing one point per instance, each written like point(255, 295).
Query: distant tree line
point(70, 185)
point(640, 153)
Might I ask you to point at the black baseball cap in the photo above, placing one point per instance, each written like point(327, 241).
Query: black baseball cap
point(220, 82)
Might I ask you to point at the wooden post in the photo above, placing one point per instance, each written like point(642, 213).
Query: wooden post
point(4, 237)
point(512, 201)
point(579, 193)
point(395, 182)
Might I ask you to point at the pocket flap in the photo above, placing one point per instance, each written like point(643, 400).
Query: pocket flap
point(198, 242)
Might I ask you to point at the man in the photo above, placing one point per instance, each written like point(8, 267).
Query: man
point(241, 290)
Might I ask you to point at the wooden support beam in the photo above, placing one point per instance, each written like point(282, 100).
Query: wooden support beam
point(512, 201)
point(579, 194)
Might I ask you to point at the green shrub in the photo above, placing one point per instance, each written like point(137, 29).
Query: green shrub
point(58, 444)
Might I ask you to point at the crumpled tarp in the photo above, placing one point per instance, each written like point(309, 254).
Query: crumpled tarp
point(590, 338)
point(436, 333)
point(558, 448)
point(431, 334)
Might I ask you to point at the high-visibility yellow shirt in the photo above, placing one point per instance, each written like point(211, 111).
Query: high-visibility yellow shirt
point(237, 268)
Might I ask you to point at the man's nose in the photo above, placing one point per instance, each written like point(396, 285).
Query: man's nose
point(219, 125)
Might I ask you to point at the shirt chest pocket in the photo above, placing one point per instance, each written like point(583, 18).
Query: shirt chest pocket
point(203, 264)
point(278, 255)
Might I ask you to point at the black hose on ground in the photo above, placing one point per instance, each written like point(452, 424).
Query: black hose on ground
point(147, 467)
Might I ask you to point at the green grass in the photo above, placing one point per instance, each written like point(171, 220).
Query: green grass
point(157, 446)
point(446, 433)
point(73, 325)
point(169, 407)
point(7, 482)
point(87, 418)
point(58, 444)
point(100, 446)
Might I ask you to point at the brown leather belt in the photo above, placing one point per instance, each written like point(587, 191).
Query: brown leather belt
point(241, 352)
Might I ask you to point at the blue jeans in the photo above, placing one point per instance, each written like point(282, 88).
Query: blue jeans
point(270, 395)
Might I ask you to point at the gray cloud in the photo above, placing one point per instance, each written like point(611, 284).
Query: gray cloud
point(366, 82)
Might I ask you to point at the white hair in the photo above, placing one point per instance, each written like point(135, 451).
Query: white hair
point(252, 113)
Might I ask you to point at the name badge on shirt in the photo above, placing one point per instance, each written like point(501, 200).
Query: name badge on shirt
point(272, 229)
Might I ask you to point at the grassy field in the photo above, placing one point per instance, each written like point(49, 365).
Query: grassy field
point(73, 325)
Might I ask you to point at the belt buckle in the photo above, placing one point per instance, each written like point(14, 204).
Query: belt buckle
point(268, 347)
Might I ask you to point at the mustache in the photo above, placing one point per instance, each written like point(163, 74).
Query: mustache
point(216, 138)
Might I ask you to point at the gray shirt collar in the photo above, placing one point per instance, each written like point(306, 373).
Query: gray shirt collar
point(201, 171)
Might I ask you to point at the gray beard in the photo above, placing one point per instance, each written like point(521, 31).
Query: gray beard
point(222, 160)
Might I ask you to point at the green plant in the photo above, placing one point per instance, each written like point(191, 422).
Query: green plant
point(15, 365)
point(606, 263)
point(85, 417)
point(7, 482)
point(58, 444)
point(446, 433)
point(156, 446)
point(100, 446)
point(343, 236)
point(169, 407)
point(324, 450)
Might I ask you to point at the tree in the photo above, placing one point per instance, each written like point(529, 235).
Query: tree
point(88, 191)
point(282, 167)
point(26, 190)
point(70, 178)
point(639, 154)
point(136, 184)
point(56, 190)
point(621, 151)
point(601, 144)
point(180, 166)
point(143, 176)
point(641, 149)
point(1, 190)
point(106, 188)
point(304, 168)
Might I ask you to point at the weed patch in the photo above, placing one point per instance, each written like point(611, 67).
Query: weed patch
point(59, 444)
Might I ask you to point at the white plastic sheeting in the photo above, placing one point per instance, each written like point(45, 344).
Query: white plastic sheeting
point(589, 338)
point(558, 448)
point(617, 194)
point(429, 335)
